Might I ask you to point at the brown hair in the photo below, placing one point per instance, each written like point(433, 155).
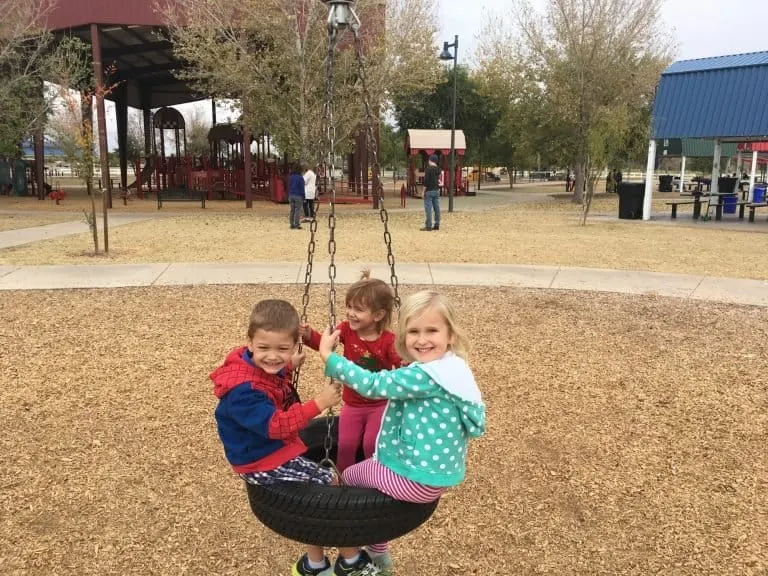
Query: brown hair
point(274, 316)
point(374, 294)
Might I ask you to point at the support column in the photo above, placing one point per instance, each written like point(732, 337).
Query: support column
point(752, 176)
point(121, 104)
point(102, 121)
point(213, 111)
point(247, 164)
point(682, 175)
point(716, 170)
point(145, 94)
point(647, 199)
point(364, 164)
point(39, 144)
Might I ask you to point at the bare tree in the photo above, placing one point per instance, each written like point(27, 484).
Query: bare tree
point(270, 55)
point(596, 61)
point(73, 123)
point(197, 127)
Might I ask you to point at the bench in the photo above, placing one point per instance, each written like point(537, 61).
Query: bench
point(180, 196)
point(674, 205)
point(752, 207)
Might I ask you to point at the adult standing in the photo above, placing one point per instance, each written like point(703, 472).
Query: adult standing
point(310, 190)
point(431, 194)
point(295, 196)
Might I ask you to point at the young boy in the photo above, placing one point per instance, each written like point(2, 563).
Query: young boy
point(258, 416)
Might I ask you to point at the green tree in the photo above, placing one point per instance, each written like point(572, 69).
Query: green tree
point(271, 57)
point(392, 147)
point(476, 114)
point(24, 62)
point(596, 62)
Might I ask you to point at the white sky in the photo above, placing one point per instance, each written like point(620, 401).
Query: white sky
point(702, 27)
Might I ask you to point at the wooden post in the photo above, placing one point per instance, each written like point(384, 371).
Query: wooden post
point(247, 164)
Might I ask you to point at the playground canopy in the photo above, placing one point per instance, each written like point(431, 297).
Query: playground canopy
point(719, 99)
point(433, 141)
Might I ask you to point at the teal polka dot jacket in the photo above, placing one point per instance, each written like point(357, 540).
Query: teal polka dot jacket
point(432, 411)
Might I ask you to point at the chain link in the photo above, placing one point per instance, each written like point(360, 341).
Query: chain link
point(330, 129)
point(372, 147)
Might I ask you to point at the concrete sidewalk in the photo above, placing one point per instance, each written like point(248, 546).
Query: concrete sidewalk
point(19, 236)
point(737, 291)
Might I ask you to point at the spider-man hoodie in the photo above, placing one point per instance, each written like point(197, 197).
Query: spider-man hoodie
point(258, 416)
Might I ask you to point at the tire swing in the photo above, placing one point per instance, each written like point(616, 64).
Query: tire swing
point(317, 514)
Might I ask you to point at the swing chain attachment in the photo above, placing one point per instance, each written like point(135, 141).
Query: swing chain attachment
point(372, 147)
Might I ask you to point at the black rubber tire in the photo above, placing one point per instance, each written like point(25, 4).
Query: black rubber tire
point(333, 515)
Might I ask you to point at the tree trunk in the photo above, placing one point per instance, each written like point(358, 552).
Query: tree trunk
point(511, 174)
point(92, 223)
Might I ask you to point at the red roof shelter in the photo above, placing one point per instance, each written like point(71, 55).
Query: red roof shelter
point(131, 36)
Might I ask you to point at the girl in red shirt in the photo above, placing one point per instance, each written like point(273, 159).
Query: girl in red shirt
point(369, 343)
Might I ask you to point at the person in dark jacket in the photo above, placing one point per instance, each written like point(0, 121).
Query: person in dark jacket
point(432, 194)
point(295, 197)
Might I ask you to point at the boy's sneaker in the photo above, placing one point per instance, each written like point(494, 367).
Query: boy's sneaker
point(384, 563)
point(363, 567)
point(301, 568)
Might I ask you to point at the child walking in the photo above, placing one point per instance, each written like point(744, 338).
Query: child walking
point(434, 407)
point(368, 343)
point(258, 416)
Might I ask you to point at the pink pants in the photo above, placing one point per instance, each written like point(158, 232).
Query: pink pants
point(357, 425)
point(372, 474)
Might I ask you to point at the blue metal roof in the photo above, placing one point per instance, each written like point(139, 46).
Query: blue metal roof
point(724, 97)
point(718, 63)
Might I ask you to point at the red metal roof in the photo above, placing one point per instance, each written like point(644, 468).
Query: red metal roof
point(754, 146)
point(67, 14)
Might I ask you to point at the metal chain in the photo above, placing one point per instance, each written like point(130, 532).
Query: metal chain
point(372, 147)
point(305, 296)
point(330, 132)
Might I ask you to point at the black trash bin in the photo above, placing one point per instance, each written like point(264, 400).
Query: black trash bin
point(631, 196)
point(665, 183)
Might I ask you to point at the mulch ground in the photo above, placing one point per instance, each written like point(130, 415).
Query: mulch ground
point(626, 435)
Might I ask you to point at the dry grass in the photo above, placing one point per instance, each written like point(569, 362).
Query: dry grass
point(623, 439)
point(17, 221)
point(514, 235)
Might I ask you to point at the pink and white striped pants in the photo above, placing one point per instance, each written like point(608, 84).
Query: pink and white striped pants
point(372, 474)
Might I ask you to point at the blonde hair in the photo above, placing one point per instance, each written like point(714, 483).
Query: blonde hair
point(417, 304)
point(374, 294)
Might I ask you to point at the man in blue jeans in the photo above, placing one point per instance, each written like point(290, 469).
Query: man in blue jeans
point(432, 194)
point(295, 196)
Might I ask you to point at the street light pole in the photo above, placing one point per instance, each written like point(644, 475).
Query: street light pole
point(446, 55)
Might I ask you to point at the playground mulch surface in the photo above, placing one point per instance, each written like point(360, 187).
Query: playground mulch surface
point(626, 435)
point(18, 221)
point(522, 233)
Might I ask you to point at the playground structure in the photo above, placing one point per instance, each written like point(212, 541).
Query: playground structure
point(17, 178)
point(220, 175)
point(420, 144)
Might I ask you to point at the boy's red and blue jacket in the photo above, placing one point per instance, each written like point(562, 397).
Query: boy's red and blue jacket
point(258, 416)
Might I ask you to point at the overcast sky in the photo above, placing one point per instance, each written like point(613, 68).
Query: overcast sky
point(702, 27)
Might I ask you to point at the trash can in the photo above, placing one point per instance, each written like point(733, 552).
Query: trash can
point(631, 196)
point(726, 184)
point(729, 204)
point(665, 183)
point(758, 195)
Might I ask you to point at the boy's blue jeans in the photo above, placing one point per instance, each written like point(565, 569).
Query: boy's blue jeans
point(432, 202)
